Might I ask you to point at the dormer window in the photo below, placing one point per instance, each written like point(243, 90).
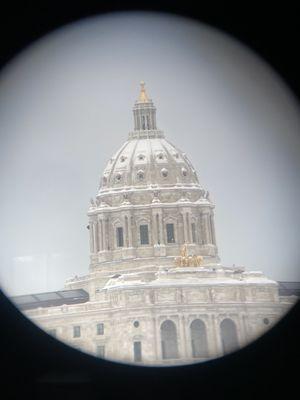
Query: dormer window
point(140, 175)
point(122, 159)
point(164, 172)
point(160, 156)
point(184, 171)
point(118, 177)
point(141, 157)
point(104, 180)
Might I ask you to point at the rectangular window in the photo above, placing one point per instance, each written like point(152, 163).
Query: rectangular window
point(194, 232)
point(76, 331)
point(137, 351)
point(100, 329)
point(120, 239)
point(144, 234)
point(101, 351)
point(170, 233)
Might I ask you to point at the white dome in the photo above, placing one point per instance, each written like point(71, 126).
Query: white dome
point(147, 159)
point(144, 162)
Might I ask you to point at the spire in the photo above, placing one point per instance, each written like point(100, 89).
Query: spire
point(143, 98)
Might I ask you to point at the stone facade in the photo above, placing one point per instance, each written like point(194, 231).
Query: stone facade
point(143, 307)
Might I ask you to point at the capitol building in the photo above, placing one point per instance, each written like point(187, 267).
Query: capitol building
point(156, 292)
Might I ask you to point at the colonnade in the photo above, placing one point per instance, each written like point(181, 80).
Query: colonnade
point(102, 229)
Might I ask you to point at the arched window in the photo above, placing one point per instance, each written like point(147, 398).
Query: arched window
point(229, 335)
point(169, 344)
point(199, 339)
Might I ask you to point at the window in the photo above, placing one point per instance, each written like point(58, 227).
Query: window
point(137, 351)
point(229, 335)
point(101, 351)
point(184, 171)
point(118, 177)
point(144, 234)
point(120, 240)
point(164, 172)
point(194, 232)
point(76, 331)
point(100, 329)
point(169, 344)
point(140, 175)
point(199, 339)
point(136, 324)
point(143, 123)
point(148, 122)
point(170, 233)
point(52, 332)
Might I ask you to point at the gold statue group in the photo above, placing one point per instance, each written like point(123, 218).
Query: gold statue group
point(188, 261)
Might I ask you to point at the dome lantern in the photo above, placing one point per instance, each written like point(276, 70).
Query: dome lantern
point(144, 112)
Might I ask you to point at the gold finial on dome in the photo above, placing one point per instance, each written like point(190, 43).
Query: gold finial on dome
point(143, 95)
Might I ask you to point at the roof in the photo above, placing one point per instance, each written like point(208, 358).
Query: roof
point(289, 288)
point(50, 299)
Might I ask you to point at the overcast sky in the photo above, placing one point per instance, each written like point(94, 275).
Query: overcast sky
point(66, 107)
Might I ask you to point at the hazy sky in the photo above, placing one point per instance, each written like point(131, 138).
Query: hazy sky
point(66, 107)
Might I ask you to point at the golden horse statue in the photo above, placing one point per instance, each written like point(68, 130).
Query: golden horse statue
point(184, 260)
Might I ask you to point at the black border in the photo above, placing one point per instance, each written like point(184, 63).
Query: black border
point(37, 366)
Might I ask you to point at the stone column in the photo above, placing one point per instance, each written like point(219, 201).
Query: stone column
point(100, 234)
point(215, 344)
point(125, 230)
point(130, 244)
point(189, 227)
point(95, 236)
point(157, 228)
point(161, 228)
point(212, 225)
point(209, 229)
point(91, 237)
point(183, 353)
point(246, 335)
point(159, 247)
point(185, 234)
point(156, 339)
point(104, 232)
point(154, 229)
point(205, 227)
